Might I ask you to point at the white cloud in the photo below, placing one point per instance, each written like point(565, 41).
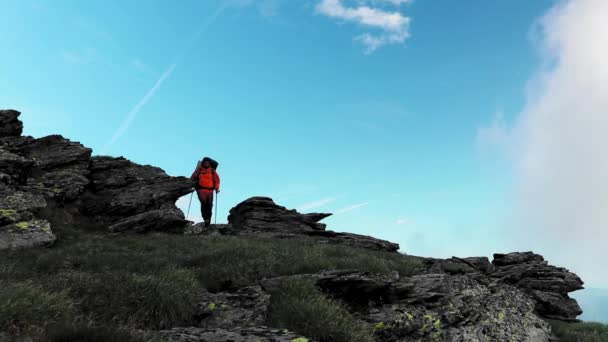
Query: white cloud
point(496, 137)
point(561, 194)
point(350, 208)
point(402, 221)
point(394, 25)
point(316, 204)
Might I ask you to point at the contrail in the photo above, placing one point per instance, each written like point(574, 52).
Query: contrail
point(133, 113)
point(124, 126)
point(351, 208)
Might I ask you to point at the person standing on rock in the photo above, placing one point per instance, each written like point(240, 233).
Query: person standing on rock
point(206, 182)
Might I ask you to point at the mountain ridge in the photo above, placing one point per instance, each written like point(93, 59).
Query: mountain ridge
point(53, 182)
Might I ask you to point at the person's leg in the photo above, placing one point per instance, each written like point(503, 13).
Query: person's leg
point(206, 198)
point(202, 199)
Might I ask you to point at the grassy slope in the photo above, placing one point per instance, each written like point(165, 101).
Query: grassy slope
point(154, 281)
point(580, 332)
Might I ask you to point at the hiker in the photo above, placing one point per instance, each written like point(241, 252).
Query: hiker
point(206, 181)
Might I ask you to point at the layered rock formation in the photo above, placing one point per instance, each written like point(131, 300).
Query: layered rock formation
point(53, 180)
point(547, 285)
point(433, 307)
point(260, 216)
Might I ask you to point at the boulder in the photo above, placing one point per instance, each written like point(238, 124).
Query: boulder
point(17, 206)
point(166, 220)
point(353, 240)
point(26, 234)
point(15, 167)
point(10, 125)
point(263, 215)
point(122, 189)
point(548, 285)
point(431, 307)
point(260, 216)
point(246, 307)
point(251, 334)
point(56, 179)
point(213, 229)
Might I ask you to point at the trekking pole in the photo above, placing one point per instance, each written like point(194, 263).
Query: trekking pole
point(216, 195)
point(189, 204)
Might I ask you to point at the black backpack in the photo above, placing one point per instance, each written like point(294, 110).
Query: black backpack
point(214, 164)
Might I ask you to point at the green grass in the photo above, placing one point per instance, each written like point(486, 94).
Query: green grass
point(300, 307)
point(27, 308)
point(580, 332)
point(154, 281)
point(87, 333)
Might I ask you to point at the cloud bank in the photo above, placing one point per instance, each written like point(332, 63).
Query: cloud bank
point(393, 26)
point(560, 141)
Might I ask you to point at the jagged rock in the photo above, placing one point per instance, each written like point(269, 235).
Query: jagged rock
point(20, 201)
point(354, 240)
point(245, 308)
point(456, 265)
point(465, 311)
point(548, 285)
point(100, 192)
point(17, 206)
point(431, 307)
point(26, 234)
point(10, 125)
point(517, 258)
point(251, 334)
point(214, 229)
point(54, 151)
point(121, 189)
point(14, 166)
point(260, 216)
point(162, 220)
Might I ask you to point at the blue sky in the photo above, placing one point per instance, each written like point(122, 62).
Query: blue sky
point(399, 116)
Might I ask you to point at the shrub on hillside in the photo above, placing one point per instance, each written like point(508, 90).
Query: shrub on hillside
point(300, 307)
point(86, 333)
point(581, 332)
point(157, 300)
point(232, 261)
point(28, 308)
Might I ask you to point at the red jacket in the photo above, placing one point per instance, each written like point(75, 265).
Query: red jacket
point(207, 178)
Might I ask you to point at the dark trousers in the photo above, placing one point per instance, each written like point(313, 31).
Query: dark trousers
point(206, 198)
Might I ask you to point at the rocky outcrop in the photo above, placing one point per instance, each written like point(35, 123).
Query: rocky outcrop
point(548, 285)
point(260, 216)
point(26, 234)
point(57, 180)
point(432, 307)
point(253, 334)
point(128, 196)
point(246, 307)
point(10, 125)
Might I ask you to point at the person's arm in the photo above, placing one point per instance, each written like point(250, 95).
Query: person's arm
point(217, 181)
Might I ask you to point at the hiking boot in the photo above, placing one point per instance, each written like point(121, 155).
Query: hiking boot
point(207, 223)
